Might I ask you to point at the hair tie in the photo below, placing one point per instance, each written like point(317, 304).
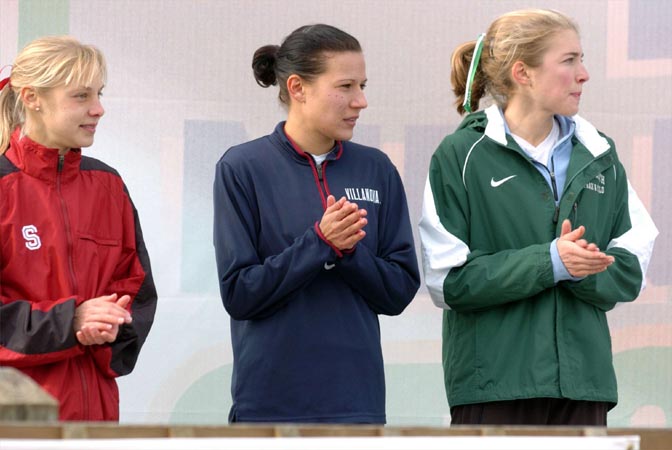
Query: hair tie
point(466, 104)
point(6, 80)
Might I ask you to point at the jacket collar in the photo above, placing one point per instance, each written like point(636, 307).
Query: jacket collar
point(296, 152)
point(585, 132)
point(41, 162)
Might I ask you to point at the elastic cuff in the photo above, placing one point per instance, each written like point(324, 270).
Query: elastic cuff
point(326, 241)
point(560, 272)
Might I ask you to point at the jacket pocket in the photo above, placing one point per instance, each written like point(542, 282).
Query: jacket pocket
point(97, 257)
point(108, 242)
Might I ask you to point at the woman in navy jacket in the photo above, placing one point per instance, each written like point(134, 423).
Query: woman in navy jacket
point(313, 241)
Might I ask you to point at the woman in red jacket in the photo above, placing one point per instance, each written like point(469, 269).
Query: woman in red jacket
point(76, 292)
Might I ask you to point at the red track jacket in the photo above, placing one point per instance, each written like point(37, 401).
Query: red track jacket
point(68, 233)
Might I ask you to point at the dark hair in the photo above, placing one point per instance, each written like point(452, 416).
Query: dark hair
point(303, 53)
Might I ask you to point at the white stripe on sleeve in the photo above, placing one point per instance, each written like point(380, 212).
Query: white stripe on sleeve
point(639, 239)
point(441, 251)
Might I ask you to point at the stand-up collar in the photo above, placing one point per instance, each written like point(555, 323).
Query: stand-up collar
point(41, 162)
point(585, 132)
point(296, 152)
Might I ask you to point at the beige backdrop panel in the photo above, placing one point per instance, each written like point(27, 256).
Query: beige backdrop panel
point(181, 91)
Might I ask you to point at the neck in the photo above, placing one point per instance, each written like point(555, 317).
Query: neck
point(308, 140)
point(524, 121)
point(36, 136)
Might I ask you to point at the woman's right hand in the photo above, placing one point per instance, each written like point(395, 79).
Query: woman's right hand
point(580, 257)
point(97, 320)
point(342, 223)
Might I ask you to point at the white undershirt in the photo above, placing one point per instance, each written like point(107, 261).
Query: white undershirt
point(319, 159)
point(542, 152)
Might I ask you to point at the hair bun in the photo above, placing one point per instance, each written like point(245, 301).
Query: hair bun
point(263, 65)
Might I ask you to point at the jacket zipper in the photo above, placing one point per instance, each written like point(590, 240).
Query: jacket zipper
point(66, 222)
point(321, 180)
point(85, 389)
point(556, 214)
point(73, 278)
point(554, 186)
point(318, 171)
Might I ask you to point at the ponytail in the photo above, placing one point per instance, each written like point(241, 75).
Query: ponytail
point(10, 115)
point(460, 63)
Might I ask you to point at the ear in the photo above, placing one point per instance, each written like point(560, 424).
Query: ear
point(296, 88)
point(520, 74)
point(29, 98)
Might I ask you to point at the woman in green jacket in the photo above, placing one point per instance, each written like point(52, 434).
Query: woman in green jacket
point(530, 233)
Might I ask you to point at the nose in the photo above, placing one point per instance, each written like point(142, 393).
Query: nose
point(582, 75)
point(97, 109)
point(359, 101)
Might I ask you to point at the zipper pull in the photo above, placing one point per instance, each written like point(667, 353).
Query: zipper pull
point(554, 185)
point(319, 171)
point(556, 215)
point(61, 160)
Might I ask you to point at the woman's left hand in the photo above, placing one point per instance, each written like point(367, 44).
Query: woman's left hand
point(342, 223)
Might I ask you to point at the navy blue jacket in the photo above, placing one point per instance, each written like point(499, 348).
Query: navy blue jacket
point(304, 316)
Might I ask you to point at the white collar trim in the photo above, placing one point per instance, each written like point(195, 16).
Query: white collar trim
point(584, 131)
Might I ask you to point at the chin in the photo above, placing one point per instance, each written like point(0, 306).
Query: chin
point(345, 136)
point(82, 145)
point(569, 112)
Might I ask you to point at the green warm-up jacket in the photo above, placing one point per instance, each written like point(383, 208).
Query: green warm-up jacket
point(510, 331)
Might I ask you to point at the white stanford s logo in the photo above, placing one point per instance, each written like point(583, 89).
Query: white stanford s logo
point(32, 239)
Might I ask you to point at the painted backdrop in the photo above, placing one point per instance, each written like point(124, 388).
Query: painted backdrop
point(181, 91)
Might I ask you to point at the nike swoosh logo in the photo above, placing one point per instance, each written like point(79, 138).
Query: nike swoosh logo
point(498, 183)
point(328, 266)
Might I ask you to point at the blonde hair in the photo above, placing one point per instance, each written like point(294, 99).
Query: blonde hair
point(522, 35)
point(43, 64)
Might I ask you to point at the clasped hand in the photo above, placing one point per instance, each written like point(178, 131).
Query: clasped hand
point(97, 320)
point(342, 223)
point(580, 257)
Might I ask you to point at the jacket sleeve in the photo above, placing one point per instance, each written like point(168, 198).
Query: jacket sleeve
point(389, 278)
point(133, 277)
point(631, 245)
point(37, 333)
point(457, 277)
point(252, 287)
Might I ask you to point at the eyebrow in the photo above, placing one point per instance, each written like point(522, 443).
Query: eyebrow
point(88, 88)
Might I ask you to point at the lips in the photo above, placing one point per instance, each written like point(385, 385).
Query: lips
point(91, 128)
point(351, 120)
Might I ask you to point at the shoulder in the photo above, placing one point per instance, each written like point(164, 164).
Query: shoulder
point(247, 151)
point(594, 140)
point(364, 152)
point(6, 166)
point(103, 176)
point(92, 164)
point(472, 130)
point(459, 145)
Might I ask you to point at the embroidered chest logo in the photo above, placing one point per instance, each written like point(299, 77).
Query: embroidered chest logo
point(597, 185)
point(362, 194)
point(497, 183)
point(33, 241)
